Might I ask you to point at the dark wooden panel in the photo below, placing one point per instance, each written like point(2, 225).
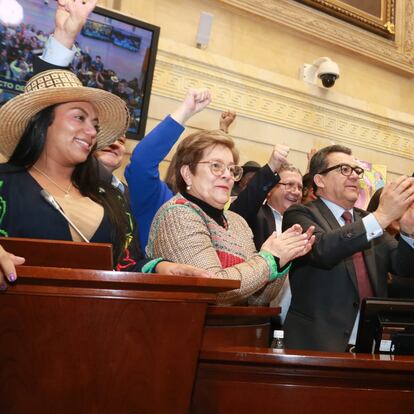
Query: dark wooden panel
point(238, 326)
point(69, 355)
point(78, 341)
point(117, 284)
point(246, 380)
point(57, 253)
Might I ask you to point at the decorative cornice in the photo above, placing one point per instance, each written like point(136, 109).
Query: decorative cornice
point(383, 24)
point(397, 54)
point(283, 101)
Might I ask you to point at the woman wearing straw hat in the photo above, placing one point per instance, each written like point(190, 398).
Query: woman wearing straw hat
point(47, 136)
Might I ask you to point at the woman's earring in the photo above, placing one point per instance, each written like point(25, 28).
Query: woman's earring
point(188, 188)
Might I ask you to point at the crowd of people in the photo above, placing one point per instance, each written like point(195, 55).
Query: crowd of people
point(19, 45)
point(293, 241)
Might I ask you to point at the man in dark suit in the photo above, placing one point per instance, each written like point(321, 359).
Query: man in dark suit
point(351, 255)
point(287, 192)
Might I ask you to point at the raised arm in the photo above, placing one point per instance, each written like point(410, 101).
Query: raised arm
point(71, 16)
point(148, 192)
point(249, 201)
point(226, 119)
point(195, 101)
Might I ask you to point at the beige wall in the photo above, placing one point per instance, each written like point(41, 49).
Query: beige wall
point(260, 42)
point(262, 58)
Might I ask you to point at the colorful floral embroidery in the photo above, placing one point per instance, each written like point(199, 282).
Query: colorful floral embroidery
point(3, 211)
point(127, 261)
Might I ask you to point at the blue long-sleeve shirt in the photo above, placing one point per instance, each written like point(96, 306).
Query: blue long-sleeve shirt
point(147, 191)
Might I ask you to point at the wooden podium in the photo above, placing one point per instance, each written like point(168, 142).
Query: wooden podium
point(238, 326)
point(246, 380)
point(57, 253)
point(93, 341)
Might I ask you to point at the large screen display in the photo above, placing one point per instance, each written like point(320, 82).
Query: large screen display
point(113, 52)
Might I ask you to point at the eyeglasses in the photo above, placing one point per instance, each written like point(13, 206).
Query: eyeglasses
point(345, 170)
point(217, 168)
point(292, 186)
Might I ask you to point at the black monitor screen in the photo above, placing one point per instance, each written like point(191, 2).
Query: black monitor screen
point(386, 326)
point(114, 52)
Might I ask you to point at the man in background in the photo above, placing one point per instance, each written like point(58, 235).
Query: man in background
point(111, 158)
point(308, 193)
point(287, 192)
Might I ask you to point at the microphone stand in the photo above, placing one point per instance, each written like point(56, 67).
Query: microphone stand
point(51, 200)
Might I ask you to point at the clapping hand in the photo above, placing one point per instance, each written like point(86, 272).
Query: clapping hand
point(396, 198)
point(289, 245)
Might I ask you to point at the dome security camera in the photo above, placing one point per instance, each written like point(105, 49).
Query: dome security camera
point(328, 73)
point(328, 79)
point(323, 68)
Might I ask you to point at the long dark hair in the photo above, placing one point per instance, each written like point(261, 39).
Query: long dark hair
point(86, 177)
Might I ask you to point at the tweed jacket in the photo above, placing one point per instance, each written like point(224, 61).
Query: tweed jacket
point(182, 232)
point(325, 299)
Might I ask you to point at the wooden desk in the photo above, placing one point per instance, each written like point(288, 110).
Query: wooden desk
point(84, 341)
point(254, 380)
point(59, 253)
point(238, 326)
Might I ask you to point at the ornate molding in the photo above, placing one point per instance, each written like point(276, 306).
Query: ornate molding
point(397, 54)
point(278, 100)
point(384, 24)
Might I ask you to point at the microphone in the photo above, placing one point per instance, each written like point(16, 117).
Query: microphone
point(51, 200)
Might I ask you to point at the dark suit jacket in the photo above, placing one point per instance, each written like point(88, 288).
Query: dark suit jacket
point(250, 200)
point(325, 299)
point(263, 226)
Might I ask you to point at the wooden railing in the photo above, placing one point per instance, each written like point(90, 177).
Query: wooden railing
point(74, 340)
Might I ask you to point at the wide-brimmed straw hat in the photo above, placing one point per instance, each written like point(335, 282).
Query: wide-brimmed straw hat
point(54, 87)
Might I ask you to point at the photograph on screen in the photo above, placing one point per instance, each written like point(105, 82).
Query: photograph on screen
point(113, 52)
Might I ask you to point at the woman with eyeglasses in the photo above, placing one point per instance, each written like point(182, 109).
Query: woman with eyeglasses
point(194, 228)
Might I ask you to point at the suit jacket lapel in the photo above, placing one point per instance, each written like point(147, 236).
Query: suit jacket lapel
point(270, 218)
point(326, 215)
point(332, 224)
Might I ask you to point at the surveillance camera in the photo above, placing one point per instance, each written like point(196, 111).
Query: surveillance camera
point(328, 73)
point(324, 69)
